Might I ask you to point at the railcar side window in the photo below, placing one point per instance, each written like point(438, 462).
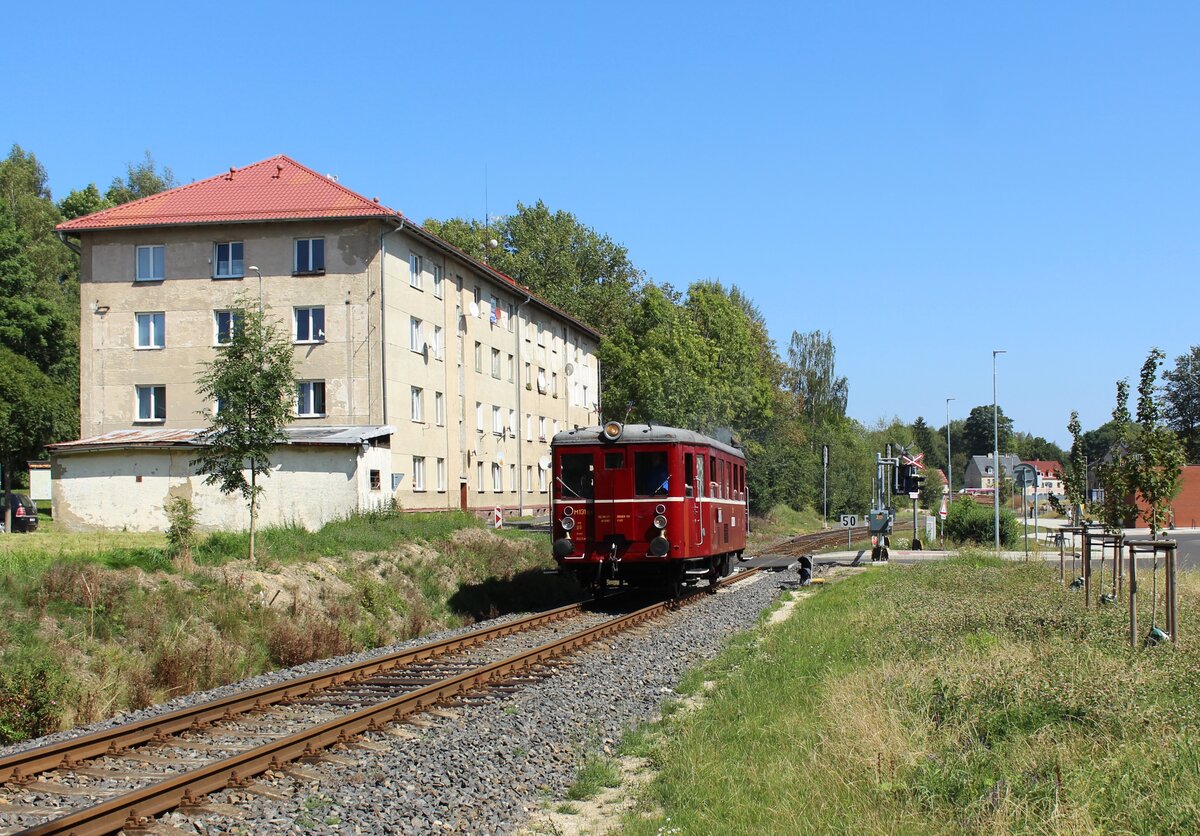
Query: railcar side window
point(689, 473)
point(700, 474)
point(650, 476)
point(614, 461)
point(575, 476)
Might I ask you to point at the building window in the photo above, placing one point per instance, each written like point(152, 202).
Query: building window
point(497, 478)
point(151, 403)
point(150, 330)
point(225, 324)
point(479, 476)
point(437, 281)
point(541, 381)
point(478, 416)
point(541, 480)
point(541, 429)
point(310, 325)
point(497, 421)
point(439, 409)
point(376, 481)
point(529, 478)
point(586, 403)
point(441, 475)
point(310, 398)
point(227, 260)
point(415, 336)
point(528, 427)
point(512, 478)
point(528, 375)
point(439, 342)
point(512, 422)
point(477, 297)
point(310, 256)
point(512, 369)
point(511, 310)
point(554, 384)
point(414, 269)
point(418, 403)
point(418, 481)
point(496, 363)
point(150, 263)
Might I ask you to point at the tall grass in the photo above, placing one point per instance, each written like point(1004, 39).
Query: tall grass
point(970, 695)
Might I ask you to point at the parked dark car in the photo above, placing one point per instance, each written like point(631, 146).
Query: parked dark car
point(24, 512)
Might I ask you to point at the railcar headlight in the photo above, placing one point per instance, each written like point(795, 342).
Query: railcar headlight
point(660, 522)
point(613, 430)
point(567, 523)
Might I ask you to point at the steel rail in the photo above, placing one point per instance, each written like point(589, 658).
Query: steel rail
point(22, 766)
point(135, 808)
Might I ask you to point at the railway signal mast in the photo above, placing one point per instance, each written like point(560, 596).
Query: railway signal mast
point(879, 522)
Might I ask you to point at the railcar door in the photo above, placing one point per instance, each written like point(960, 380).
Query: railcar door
point(614, 487)
point(693, 499)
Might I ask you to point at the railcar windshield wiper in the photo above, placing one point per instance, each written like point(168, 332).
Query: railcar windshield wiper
point(568, 487)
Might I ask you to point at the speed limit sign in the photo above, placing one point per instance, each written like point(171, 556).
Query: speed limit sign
point(849, 520)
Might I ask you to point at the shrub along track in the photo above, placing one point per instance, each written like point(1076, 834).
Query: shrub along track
point(335, 705)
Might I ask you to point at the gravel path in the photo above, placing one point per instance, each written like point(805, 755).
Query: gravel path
point(479, 767)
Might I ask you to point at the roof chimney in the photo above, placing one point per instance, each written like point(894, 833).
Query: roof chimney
point(231, 170)
point(278, 170)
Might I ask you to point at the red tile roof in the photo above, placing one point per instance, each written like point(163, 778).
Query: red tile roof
point(1050, 470)
point(278, 188)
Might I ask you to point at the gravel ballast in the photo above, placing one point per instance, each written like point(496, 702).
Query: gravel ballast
point(480, 765)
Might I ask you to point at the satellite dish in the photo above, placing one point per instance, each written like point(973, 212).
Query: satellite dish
point(544, 462)
point(474, 308)
point(499, 457)
point(570, 369)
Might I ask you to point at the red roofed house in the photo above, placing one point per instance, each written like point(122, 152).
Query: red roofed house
point(1049, 476)
point(401, 341)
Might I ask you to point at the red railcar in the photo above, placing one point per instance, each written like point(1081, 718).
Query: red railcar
point(646, 505)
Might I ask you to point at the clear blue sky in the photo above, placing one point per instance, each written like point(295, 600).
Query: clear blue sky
point(925, 181)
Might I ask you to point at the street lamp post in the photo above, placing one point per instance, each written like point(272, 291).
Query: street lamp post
point(996, 452)
point(258, 273)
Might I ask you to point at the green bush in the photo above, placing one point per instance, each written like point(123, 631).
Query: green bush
point(33, 696)
point(969, 522)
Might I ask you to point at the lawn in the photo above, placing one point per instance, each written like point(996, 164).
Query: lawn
point(968, 695)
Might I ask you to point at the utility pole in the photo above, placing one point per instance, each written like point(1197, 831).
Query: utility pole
point(824, 486)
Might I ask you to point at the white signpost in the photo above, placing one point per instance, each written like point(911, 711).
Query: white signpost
point(849, 521)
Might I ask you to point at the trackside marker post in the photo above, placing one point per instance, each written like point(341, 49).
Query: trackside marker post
point(497, 518)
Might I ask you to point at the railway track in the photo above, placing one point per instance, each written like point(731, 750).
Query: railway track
point(122, 777)
point(809, 543)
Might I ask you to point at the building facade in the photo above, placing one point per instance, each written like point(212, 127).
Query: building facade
point(390, 326)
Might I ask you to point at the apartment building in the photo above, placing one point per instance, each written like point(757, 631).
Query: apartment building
point(392, 327)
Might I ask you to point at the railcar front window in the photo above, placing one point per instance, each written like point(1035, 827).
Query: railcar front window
point(650, 474)
point(575, 476)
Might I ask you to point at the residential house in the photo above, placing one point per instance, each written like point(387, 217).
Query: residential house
point(981, 471)
point(392, 328)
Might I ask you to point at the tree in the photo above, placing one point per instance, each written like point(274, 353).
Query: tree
point(141, 180)
point(33, 412)
point(1074, 472)
point(252, 383)
point(568, 264)
point(810, 376)
point(30, 325)
point(1182, 401)
point(82, 202)
point(979, 435)
point(1035, 448)
point(1116, 472)
point(1158, 452)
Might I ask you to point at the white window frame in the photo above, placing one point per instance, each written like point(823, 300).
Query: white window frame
point(311, 387)
point(233, 323)
point(497, 478)
point(157, 403)
point(439, 342)
point(541, 428)
point(512, 368)
point(418, 404)
point(529, 478)
point(441, 475)
point(479, 416)
point(478, 357)
point(438, 278)
point(439, 409)
point(418, 476)
point(497, 421)
point(479, 476)
point(528, 427)
point(511, 310)
point(158, 321)
point(302, 313)
point(496, 363)
point(307, 244)
point(513, 481)
point(541, 480)
point(416, 266)
point(416, 334)
point(229, 274)
point(162, 262)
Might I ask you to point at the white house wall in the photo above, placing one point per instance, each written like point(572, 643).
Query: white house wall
point(126, 489)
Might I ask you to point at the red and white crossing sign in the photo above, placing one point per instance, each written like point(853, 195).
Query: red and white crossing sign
point(916, 461)
point(942, 510)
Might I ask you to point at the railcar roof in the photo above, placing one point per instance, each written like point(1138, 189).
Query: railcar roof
point(642, 434)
